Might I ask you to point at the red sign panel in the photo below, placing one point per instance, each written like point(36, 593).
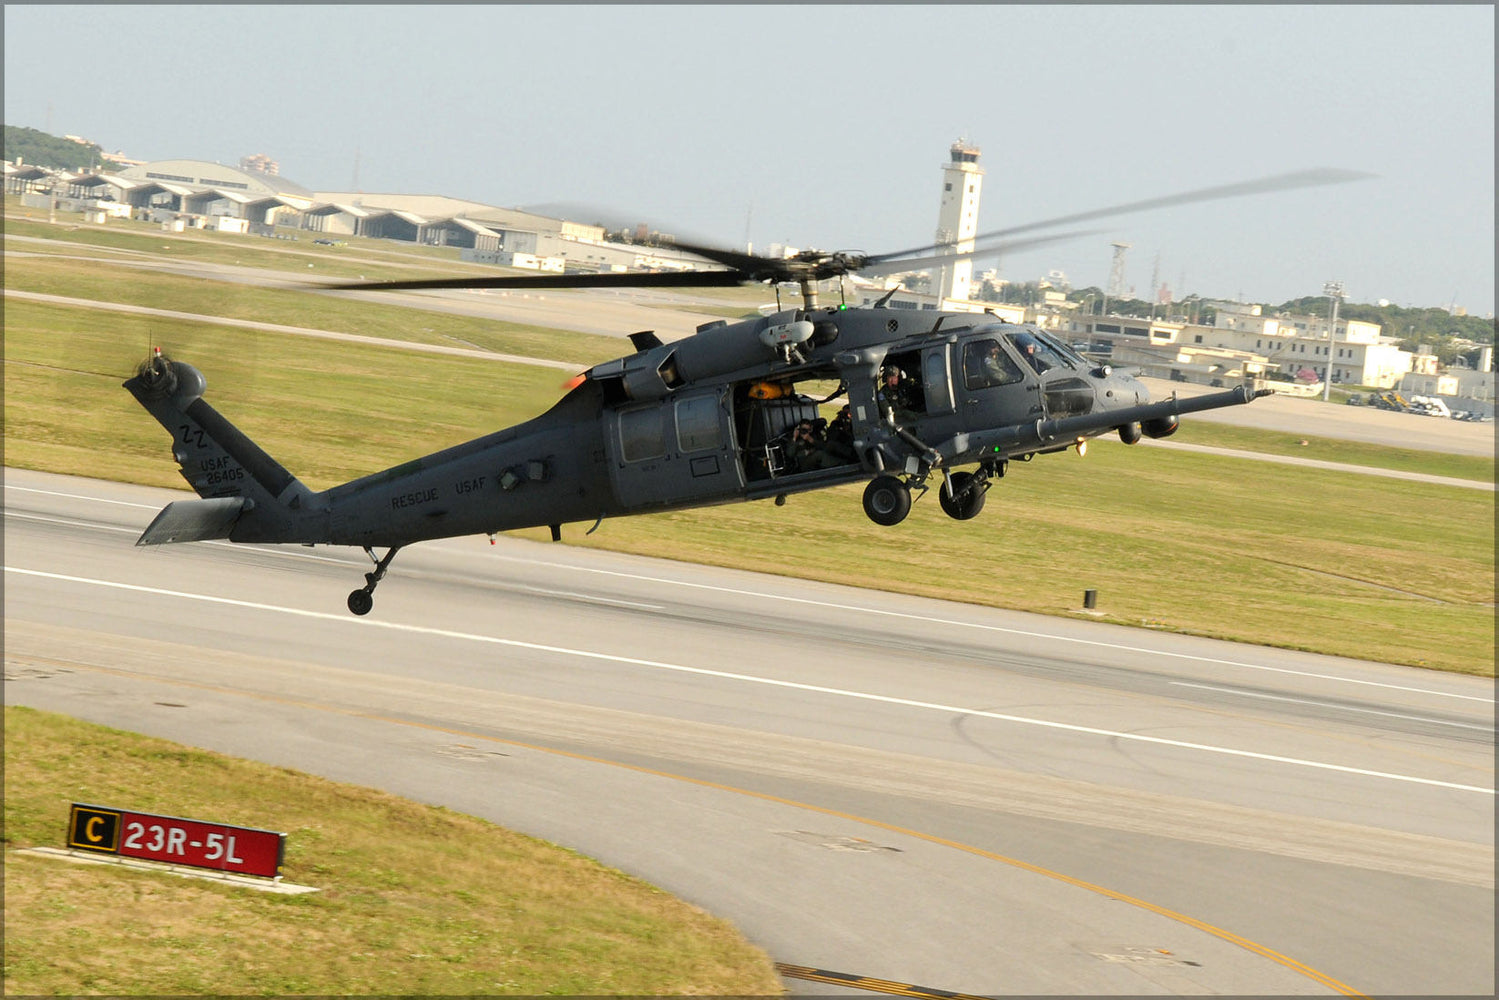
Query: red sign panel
point(179, 841)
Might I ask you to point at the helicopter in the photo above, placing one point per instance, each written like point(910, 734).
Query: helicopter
point(730, 413)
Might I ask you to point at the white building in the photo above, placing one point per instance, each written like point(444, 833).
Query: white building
point(1242, 339)
point(1354, 354)
point(1460, 386)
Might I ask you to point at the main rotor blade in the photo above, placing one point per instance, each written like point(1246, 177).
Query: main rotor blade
point(736, 259)
point(680, 279)
point(1279, 182)
point(1008, 246)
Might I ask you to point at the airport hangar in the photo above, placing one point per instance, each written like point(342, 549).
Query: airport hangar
point(199, 194)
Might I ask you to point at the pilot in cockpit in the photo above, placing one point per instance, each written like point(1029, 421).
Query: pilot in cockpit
point(1027, 346)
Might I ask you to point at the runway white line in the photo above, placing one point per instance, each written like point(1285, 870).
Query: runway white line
point(929, 619)
point(833, 606)
point(1332, 705)
point(79, 496)
point(747, 678)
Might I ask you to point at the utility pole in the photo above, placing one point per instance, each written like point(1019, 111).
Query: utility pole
point(1334, 291)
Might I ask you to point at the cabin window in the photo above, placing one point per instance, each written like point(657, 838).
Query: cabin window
point(698, 427)
point(640, 434)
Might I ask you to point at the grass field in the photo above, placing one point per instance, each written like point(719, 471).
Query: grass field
point(1323, 449)
point(413, 900)
point(132, 286)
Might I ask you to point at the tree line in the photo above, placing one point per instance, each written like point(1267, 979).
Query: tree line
point(37, 148)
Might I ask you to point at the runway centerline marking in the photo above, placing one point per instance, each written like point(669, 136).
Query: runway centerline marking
point(1332, 705)
point(749, 678)
point(590, 598)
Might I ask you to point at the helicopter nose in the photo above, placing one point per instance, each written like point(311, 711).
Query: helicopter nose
point(1126, 390)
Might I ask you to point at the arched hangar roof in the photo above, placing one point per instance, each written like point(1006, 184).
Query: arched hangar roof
point(204, 174)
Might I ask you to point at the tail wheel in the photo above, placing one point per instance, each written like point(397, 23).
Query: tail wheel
point(887, 500)
point(961, 496)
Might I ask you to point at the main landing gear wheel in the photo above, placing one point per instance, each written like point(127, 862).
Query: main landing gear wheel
point(360, 601)
point(887, 500)
point(962, 496)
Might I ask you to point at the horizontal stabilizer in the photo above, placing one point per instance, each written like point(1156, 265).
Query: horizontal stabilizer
point(645, 340)
point(194, 520)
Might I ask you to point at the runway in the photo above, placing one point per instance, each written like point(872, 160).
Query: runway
point(868, 785)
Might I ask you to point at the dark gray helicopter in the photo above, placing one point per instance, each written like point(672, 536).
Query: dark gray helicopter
point(730, 413)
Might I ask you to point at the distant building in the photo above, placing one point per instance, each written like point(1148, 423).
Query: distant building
point(119, 160)
point(198, 193)
point(255, 199)
point(1460, 386)
point(1353, 354)
point(204, 174)
point(260, 163)
point(1242, 338)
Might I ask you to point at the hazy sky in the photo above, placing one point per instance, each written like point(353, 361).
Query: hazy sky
point(827, 126)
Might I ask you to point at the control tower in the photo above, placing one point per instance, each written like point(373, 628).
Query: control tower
point(958, 218)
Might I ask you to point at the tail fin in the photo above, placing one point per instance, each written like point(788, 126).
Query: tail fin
point(247, 494)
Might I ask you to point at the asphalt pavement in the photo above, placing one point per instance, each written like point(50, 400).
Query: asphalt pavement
point(870, 785)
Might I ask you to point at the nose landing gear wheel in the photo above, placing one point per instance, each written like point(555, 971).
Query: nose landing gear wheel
point(360, 601)
point(887, 500)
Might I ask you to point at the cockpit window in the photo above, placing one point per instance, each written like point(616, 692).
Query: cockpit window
point(1039, 354)
point(1073, 359)
point(985, 364)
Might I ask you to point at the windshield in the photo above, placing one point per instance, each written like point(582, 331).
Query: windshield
point(1073, 359)
point(1037, 352)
